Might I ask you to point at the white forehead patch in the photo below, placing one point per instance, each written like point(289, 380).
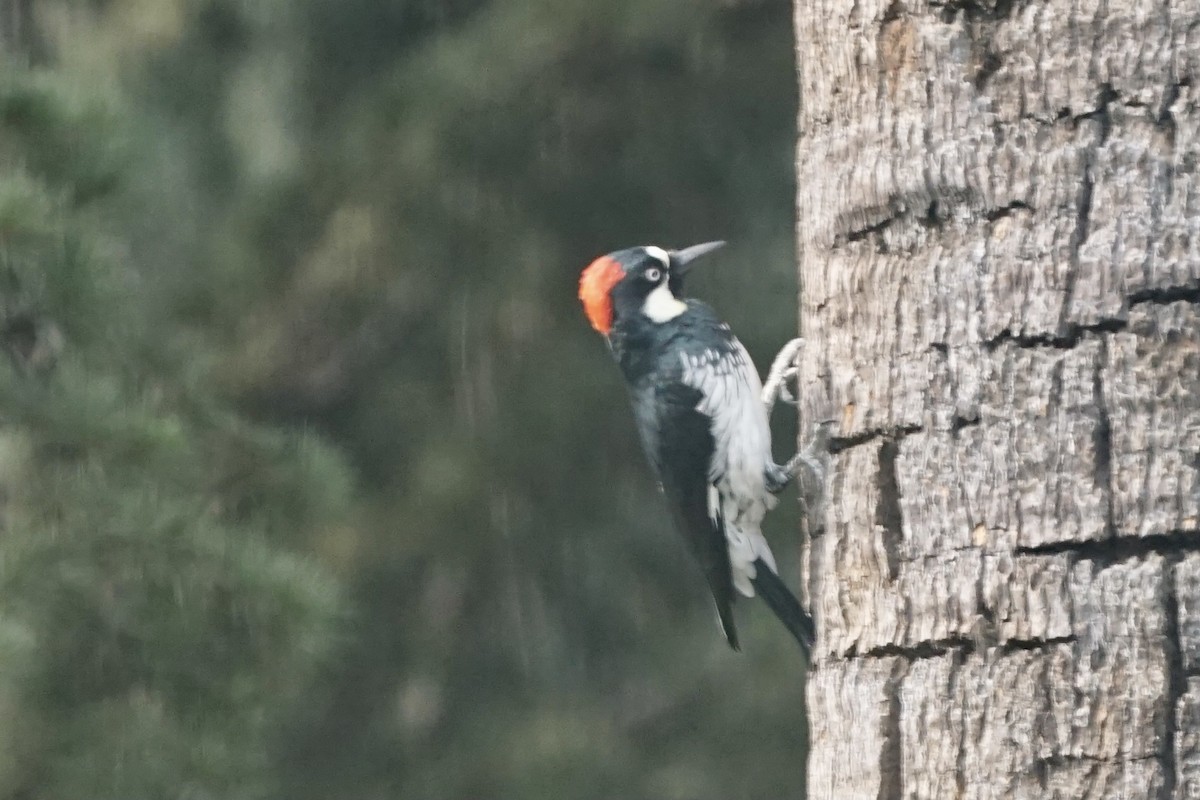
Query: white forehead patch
point(659, 253)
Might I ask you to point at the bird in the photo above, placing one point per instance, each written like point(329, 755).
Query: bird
point(696, 404)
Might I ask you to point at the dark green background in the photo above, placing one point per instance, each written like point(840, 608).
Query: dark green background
point(314, 481)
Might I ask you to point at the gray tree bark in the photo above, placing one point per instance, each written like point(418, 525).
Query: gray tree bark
point(999, 238)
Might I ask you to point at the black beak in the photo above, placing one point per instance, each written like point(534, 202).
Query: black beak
point(681, 260)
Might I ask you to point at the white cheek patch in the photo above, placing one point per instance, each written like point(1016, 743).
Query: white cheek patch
point(661, 306)
point(660, 254)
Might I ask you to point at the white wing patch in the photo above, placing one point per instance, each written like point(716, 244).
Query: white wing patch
point(714, 504)
point(660, 305)
point(730, 389)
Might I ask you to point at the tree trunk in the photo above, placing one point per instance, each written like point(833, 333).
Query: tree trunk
point(999, 238)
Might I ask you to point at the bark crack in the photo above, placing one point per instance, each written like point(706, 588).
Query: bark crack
point(959, 646)
point(1083, 213)
point(1176, 676)
point(975, 10)
point(1102, 442)
point(890, 771)
point(960, 757)
point(1105, 552)
point(840, 443)
point(1070, 338)
point(958, 423)
point(935, 215)
point(1015, 645)
point(1166, 115)
point(1107, 96)
point(1009, 210)
point(862, 233)
point(888, 515)
point(1083, 205)
point(1166, 294)
point(917, 652)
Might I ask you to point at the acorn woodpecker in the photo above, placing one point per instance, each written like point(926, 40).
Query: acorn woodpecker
point(696, 402)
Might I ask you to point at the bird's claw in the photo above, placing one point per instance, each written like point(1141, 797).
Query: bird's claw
point(810, 464)
point(810, 469)
point(786, 396)
point(783, 369)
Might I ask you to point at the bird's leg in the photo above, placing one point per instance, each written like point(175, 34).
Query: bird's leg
point(812, 462)
point(808, 468)
point(810, 465)
point(783, 368)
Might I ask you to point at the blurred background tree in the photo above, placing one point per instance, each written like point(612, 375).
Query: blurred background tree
point(323, 487)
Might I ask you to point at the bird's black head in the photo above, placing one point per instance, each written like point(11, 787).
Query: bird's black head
point(640, 280)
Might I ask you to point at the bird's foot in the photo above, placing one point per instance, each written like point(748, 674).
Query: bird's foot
point(810, 469)
point(783, 369)
point(810, 465)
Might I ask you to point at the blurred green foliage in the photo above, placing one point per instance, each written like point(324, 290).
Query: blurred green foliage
point(315, 482)
point(159, 623)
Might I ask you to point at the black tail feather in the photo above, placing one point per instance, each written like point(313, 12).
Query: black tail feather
point(775, 593)
point(728, 627)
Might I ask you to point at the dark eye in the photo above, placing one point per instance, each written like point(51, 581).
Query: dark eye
point(653, 274)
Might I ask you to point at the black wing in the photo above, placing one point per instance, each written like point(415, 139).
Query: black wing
point(679, 444)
